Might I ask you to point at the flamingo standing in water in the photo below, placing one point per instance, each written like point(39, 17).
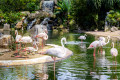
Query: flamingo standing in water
point(94, 45)
point(57, 52)
point(82, 37)
point(114, 52)
point(43, 35)
point(103, 43)
point(17, 39)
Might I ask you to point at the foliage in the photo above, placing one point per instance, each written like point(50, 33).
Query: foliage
point(113, 17)
point(88, 13)
point(63, 9)
point(11, 17)
point(18, 5)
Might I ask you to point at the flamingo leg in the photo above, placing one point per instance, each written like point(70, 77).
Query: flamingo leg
point(54, 67)
point(42, 43)
point(98, 50)
point(94, 51)
point(101, 50)
point(94, 62)
point(115, 63)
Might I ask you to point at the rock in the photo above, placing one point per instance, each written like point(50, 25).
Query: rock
point(113, 29)
point(19, 24)
point(26, 13)
point(32, 16)
point(6, 27)
point(5, 40)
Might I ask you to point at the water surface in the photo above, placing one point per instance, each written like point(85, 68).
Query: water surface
point(81, 66)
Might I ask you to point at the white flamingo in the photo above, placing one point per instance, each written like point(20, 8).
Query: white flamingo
point(114, 51)
point(32, 49)
point(43, 36)
point(25, 40)
point(101, 38)
point(57, 51)
point(82, 37)
point(17, 39)
point(103, 43)
point(94, 45)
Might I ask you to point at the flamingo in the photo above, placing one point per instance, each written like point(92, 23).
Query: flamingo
point(57, 51)
point(103, 43)
point(102, 38)
point(17, 39)
point(94, 45)
point(114, 51)
point(43, 35)
point(82, 37)
point(25, 39)
point(32, 49)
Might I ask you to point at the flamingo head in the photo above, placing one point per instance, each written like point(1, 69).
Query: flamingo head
point(91, 46)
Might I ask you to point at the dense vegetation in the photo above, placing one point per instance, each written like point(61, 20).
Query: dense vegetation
point(87, 14)
point(10, 9)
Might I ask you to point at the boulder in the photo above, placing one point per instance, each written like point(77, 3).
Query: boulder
point(6, 27)
point(113, 29)
point(26, 13)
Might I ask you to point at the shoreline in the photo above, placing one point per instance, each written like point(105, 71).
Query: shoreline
point(35, 60)
point(114, 35)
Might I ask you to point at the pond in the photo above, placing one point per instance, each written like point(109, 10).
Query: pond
point(80, 66)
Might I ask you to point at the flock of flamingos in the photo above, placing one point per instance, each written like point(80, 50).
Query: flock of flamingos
point(60, 51)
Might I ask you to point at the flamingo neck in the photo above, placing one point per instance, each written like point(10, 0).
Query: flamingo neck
point(108, 40)
point(16, 32)
point(63, 39)
point(113, 44)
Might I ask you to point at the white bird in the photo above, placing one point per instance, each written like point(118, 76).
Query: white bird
point(43, 36)
point(57, 51)
point(101, 38)
point(18, 37)
point(17, 40)
point(32, 49)
point(82, 37)
point(103, 43)
point(114, 51)
point(94, 45)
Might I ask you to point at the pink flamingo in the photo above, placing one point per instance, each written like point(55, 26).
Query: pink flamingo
point(43, 35)
point(25, 39)
point(32, 49)
point(103, 43)
point(82, 37)
point(17, 40)
point(114, 52)
point(94, 45)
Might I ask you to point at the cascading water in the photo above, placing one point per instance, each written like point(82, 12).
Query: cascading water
point(48, 6)
point(107, 25)
point(30, 24)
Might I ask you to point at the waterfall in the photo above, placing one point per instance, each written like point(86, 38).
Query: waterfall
point(48, 6)
point(29, 26)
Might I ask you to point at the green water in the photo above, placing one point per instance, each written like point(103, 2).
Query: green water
point(80, 66)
